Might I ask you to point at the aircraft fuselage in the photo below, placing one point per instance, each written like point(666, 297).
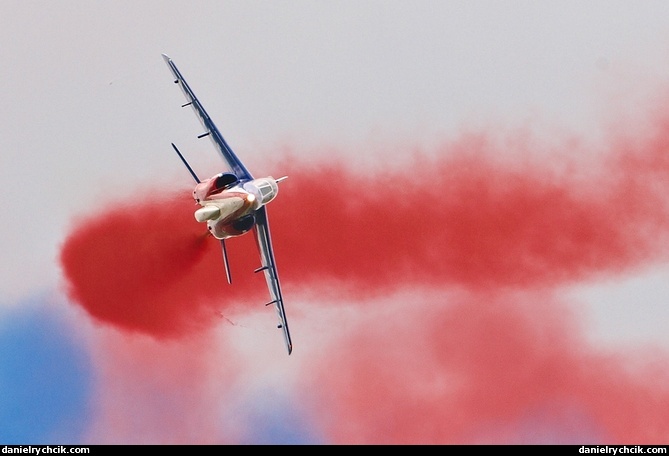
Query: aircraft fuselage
point(229, 211)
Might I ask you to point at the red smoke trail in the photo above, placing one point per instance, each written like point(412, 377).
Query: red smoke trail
point(496, 363)
point(462, 220)
point(480, 368)
point(469, 221)
point(149, 267)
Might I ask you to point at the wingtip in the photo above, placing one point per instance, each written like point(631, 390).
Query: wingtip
point(166, 57)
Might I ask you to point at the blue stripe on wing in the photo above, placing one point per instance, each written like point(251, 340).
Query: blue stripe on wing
point(269, 269)
point(229, 156)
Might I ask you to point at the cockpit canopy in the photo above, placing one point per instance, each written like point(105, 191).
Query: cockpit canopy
point(265, 189)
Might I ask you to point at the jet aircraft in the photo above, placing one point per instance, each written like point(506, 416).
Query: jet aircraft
point(232, 203)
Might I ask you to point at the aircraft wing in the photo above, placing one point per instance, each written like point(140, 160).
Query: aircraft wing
point(229, 156)
point(269, 269)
